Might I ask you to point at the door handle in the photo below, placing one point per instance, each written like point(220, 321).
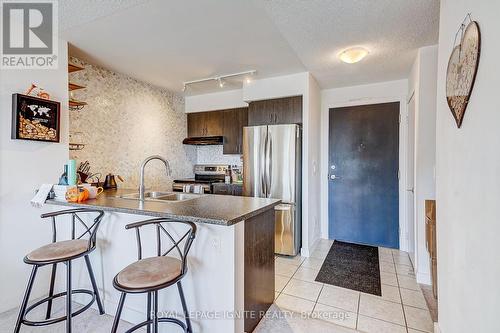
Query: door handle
point(333, 177)
point(269, 167)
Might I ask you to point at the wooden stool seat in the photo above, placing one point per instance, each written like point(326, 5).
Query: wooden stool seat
point(58, 251)
point(149, 273)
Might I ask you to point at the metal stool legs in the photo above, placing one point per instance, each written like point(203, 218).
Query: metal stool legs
point(155, 309)
point(51, 291)
point(25, 309)
point(184, 308)
point(149, 313)
point(68, 296)
point(94, 285)
point(24, 304)
point(118, 313)
point(152, 316)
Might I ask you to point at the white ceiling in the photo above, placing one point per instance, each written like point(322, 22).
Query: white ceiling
point(392, 30)
point(168, 42)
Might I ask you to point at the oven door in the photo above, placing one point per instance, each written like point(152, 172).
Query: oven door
point(179, 187)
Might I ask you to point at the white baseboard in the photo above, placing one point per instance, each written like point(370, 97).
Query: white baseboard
point(424, 278)
point(306, 252)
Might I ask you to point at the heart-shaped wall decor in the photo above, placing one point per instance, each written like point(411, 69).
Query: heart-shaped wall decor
point(462, 70)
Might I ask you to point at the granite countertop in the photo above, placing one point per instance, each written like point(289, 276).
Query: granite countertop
point(207, 208)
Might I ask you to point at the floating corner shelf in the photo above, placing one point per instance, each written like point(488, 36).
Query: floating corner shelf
point(74, 68)
point(76, 105)
point(76, 146)
point(73, 86)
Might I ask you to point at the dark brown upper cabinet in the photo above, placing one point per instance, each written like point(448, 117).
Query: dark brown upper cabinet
point(205, 124)
point(277, 111)
point(234, 121)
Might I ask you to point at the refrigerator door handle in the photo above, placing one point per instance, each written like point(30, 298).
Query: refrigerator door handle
point(269, 166)
point(263, 181)
point(264, 167)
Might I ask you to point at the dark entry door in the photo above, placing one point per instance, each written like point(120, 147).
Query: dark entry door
point(363, 174)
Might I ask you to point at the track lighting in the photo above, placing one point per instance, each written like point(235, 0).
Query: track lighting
point(220, 79)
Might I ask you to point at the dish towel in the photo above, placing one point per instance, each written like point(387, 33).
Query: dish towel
point(198, 189)
point(39, 199)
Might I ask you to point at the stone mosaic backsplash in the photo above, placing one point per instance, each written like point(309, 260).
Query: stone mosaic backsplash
point(125, 121)
point(214, 155)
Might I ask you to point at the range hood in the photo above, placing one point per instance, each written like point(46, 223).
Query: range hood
point(204, 140)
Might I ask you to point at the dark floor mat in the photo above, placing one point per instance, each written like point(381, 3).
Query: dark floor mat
point(352, 266)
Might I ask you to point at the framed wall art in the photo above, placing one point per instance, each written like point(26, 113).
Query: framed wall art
point(35, 118)
point(462, 68)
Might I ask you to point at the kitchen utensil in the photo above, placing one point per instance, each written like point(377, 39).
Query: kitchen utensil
point(84, 167)
point(71, 172)
point(110, 182)
point(83, 171)
point(93, 190)
point(63, 180)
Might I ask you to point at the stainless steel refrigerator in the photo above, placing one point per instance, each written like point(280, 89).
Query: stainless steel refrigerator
point(272, 169)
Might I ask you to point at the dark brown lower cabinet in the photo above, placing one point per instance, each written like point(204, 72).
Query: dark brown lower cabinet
point(259, 267)
point(227, 189)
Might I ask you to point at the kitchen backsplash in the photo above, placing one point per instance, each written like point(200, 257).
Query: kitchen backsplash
point(214, 155)
point(125, 121)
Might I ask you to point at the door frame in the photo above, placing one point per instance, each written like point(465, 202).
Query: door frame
point(403, 140)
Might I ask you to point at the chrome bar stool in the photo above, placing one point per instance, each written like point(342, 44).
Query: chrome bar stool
point(63, 252)
point(149, 275)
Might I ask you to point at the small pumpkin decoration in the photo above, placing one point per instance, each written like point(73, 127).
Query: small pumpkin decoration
point(77, 194)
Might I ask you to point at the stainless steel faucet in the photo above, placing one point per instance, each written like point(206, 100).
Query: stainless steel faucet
point(142, 188)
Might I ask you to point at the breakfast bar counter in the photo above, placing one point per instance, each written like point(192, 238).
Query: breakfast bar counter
point(230, 280)
point(204, 208)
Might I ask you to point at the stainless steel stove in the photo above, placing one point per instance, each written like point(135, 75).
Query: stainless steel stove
point(204, 175)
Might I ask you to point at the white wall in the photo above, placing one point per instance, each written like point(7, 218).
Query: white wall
point(24, 165)
point(392, 91)
point(422, 83)
point(313, 181)
point(283, 86)
point(215, 101)
point(468, 181)
point(276, 87)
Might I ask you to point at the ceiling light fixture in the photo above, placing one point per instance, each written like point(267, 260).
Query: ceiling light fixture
point(219, 79)
point(353, 54)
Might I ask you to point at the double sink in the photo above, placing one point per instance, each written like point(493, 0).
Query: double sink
point(162, 196)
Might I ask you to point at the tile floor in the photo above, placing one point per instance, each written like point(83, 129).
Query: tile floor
point(401, 308)
point(305, 306)
point(88, 321)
